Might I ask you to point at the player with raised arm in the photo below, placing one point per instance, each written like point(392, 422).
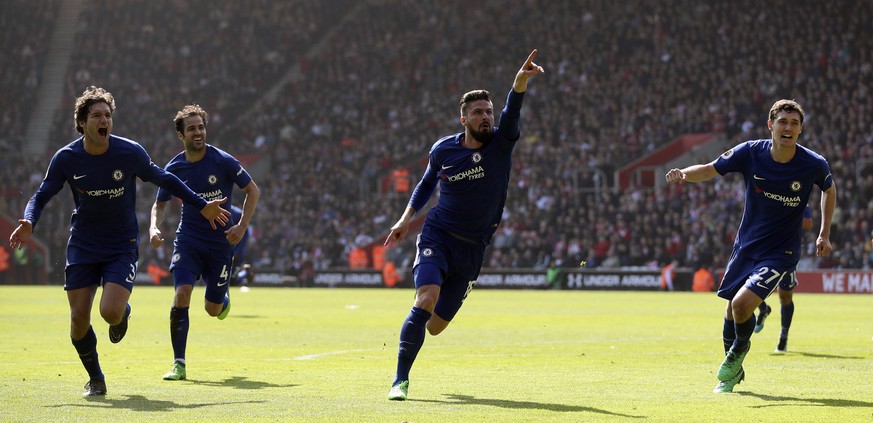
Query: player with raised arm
point(472, 168)
point(198, 250)
point(101, 170)
point(779, 176)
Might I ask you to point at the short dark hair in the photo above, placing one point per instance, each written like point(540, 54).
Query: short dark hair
point(89, 97)
point(190, 110)
point(785, 105)
point(473, 96)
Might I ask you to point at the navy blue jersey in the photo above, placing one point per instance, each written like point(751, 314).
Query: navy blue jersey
point(776, 196)
point(473, 182)
point(104, 192)
point(212, 178)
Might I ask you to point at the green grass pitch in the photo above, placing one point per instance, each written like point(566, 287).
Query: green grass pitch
point(328, 355)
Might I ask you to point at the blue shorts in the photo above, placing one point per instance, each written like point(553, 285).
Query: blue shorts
point(758, 276)
point(87, 267)
point(450, 262)
point(193, 260)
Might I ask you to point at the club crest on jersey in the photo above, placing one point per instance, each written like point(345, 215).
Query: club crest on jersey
point(476, 157)
point(117, 174)
point(427, 252)
point(796, 185)
point(212, 179)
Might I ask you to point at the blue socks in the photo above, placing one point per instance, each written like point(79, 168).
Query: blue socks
point(728, 334)
point(787, 315)
point(411, 339)
point(179, 324)
point(744, 331)
point(87, 349)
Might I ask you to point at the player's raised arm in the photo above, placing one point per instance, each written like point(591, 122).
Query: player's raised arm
point(528, 70)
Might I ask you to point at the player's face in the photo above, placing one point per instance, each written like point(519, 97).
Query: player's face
point(98, 123)
point(786, 128)
point(479, 120)
point(193, 134)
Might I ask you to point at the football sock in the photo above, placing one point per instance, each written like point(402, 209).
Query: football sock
point(728, 334)
point(411, 339)
point(762, 307)
point(87, 349)
point(744, 331)
point(179, 331)
point(787, 315)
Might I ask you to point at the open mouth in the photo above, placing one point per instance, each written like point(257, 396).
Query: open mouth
point(103, 132)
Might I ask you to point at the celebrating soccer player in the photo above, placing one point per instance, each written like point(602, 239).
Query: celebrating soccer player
point(472, 168)
point(779, 175)
point(198, 250)
point(101, 170)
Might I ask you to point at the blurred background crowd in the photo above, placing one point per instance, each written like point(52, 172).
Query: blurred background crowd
point(332, 105)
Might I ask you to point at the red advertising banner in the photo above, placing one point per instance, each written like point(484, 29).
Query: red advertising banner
point(836, 281)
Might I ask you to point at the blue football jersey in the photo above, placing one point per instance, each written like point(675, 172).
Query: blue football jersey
point(473, 182)
point(104, 192)
point(212, 178)
point(776, 197)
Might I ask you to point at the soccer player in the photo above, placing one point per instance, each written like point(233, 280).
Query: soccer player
point(786, 298)
point(779, 176)
point(472, 168)
point(199, 250)
point(101, 170)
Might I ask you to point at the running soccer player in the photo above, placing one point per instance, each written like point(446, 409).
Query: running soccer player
point(779, 176)
point(786, 298)
point(101, 170)
point(472, 168)
point(199, 250)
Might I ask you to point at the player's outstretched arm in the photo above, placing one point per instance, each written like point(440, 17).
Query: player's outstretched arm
point(527, 71)
point(215, 214)
point(401, 228)
point(693, 173)
point(21, 234)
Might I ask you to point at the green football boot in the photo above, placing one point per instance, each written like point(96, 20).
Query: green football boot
point(728, 385)
point(732, 364)
point(398, 391)
point(226, 311)
point(759, 323)
point(177, 372)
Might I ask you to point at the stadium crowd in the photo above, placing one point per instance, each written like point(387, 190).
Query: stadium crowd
point(373, 84)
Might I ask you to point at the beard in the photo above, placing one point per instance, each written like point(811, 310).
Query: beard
point(482, 136)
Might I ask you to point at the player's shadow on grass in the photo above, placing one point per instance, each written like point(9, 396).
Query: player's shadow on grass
point(239, 382)
point(141, 403)
point(503, 403)
point(826, 402)
point(814, 355)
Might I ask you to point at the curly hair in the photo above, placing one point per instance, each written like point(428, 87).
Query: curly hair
point(190, 110)
point(89, 97)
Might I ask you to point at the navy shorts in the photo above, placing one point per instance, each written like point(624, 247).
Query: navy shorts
point(87, 267)
point(193, 260)
point(450, 262)
point(759, 276)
